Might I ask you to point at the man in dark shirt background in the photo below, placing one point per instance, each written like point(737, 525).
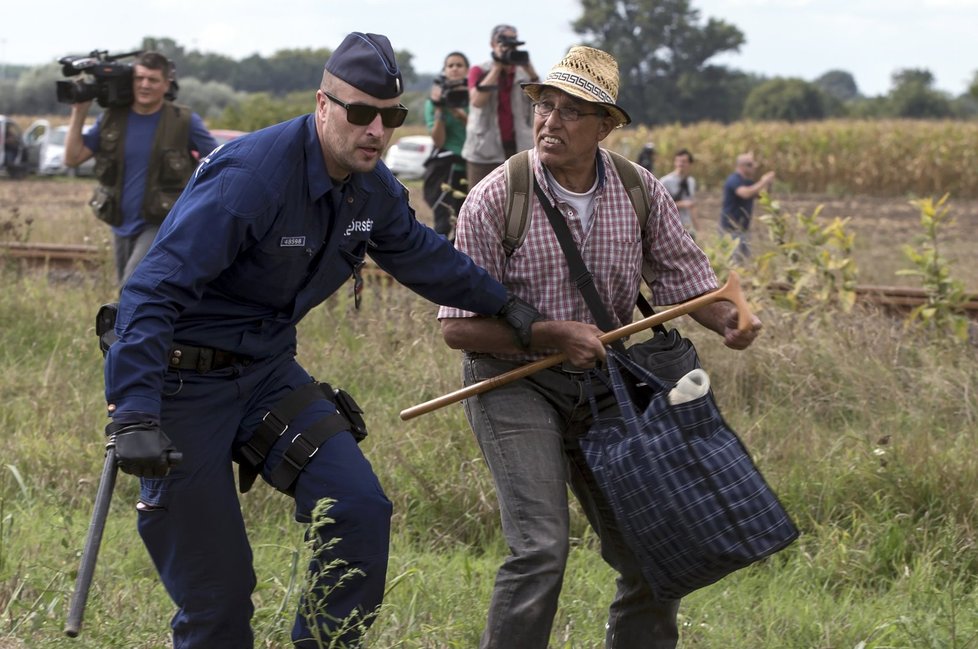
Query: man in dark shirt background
point(739, 192)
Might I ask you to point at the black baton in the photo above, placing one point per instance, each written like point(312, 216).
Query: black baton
point(103, 498)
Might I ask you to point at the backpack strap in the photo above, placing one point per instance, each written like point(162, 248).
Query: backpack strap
point(519, 179)
point(638, 193)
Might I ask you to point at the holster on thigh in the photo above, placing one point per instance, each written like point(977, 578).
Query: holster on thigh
point(251, 455)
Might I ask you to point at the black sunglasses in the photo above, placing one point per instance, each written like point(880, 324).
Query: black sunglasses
point(363, 114)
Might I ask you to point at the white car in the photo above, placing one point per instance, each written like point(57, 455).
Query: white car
point(406, 157)
point(52, 158)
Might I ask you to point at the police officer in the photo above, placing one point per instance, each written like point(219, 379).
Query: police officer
point(271, 225)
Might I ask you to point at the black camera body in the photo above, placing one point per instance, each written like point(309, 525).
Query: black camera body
point(99, 76)
point(510, 55)
point(454, 92)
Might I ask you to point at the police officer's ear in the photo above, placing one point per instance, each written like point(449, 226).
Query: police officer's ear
point(321, 105)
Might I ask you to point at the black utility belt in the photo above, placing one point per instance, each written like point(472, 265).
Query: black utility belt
point(203, 359)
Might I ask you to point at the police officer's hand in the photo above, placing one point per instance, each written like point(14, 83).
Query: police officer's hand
point(143, 449)
point(520, 315)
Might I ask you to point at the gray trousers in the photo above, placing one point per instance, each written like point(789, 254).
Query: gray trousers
point(528, 432)
point(129, 251)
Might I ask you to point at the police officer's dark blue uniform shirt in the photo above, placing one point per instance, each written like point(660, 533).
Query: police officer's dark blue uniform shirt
point(232, 267)
point(260, 236)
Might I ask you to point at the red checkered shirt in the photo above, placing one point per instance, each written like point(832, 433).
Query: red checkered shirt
point(613, 247)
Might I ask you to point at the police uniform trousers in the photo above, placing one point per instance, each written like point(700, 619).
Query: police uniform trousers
point(191, 522)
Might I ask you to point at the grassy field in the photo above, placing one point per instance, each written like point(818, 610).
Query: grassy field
point(865, 429)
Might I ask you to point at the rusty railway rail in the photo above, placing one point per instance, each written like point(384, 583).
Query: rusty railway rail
point(902, 298)
point(56, 255)
point(62, 256)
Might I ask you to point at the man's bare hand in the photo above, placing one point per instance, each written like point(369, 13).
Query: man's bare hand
point(735, 338)
point(576, 340)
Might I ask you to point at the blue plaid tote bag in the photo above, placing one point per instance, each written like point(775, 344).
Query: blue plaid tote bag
point(691, 504)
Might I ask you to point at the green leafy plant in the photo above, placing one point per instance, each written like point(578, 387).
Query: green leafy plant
point(943, 312)
point(811, 261)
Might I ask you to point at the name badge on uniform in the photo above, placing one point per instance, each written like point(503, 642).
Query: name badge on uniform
point(292, 242)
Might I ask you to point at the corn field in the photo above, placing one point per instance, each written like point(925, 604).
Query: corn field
point(840, 157)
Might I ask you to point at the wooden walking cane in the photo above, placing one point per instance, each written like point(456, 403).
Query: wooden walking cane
point(730, 292)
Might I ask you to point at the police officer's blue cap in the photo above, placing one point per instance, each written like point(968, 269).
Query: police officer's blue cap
point(366, 62)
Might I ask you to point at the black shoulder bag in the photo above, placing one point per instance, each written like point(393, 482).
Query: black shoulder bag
point(667, 355)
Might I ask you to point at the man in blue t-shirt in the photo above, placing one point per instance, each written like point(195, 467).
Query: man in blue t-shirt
point(739, 192)
point(140, 180)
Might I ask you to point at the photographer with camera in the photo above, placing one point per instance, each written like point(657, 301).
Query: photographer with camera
point(446, 113)
point(143, 146)
point(500, 116)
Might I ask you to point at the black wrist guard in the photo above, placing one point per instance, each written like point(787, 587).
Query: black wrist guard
point(520, 316)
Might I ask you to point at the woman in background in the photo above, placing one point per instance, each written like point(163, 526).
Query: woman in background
point(445, 114)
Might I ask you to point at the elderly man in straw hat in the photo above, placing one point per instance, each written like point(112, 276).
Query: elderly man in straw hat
point(528, 429)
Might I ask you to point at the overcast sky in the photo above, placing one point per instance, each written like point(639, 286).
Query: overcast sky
point(801, 38)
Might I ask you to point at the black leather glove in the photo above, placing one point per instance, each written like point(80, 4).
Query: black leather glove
point(142, 449)
point(105, 325)
point(520, 315)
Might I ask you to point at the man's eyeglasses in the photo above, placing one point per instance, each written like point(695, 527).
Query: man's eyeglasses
point(363, 114)
point(567, 113)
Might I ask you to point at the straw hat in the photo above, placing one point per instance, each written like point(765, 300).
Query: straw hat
point(585, 73)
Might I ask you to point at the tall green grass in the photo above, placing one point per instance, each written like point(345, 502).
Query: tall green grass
point(866, 431)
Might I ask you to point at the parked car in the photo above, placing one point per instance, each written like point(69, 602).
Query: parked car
point(52, 156)
point(406, 157)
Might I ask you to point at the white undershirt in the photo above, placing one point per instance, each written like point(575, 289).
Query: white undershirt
point(580, 204)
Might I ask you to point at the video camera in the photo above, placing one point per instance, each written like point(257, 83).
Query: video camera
point(110, 84)
point(510, 55)
point(454, 93)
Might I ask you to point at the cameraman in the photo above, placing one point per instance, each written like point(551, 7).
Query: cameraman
point(500, 118)
point(143, 158)
point(446, 114)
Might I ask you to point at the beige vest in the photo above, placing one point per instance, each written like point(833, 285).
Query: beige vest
point(483, 142)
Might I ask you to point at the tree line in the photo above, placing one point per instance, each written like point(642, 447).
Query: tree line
point(664, 49)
